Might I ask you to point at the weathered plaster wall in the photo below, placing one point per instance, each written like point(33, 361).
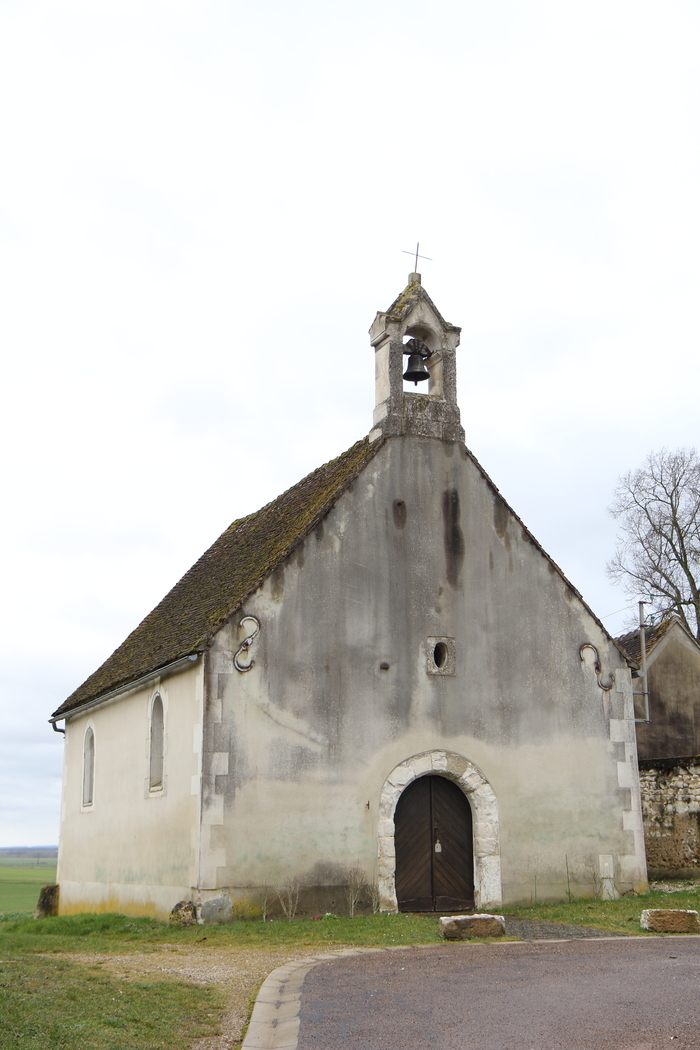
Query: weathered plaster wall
point(671, 807)
point(297, 750)
point(133, 850)
point(674, 700)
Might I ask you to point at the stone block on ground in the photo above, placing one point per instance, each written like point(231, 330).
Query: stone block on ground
point(48, 902)
point(216, 910)
point(670, 920)
point(184, 914)
point(457, 927)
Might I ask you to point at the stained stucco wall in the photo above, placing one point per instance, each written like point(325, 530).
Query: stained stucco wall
point(674, 700)
point(297, 750)
point(133, 850)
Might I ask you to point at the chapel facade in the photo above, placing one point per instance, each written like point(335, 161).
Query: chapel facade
point(380, 672)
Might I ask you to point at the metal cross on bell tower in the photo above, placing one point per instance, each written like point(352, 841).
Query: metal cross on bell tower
point(427, 257)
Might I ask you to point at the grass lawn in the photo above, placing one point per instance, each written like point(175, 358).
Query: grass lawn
point(621, 916)
point(118, 933)
point(19, 886)
point(54, 1003)
point(51, 999)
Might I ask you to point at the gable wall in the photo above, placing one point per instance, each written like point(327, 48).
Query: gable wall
point(297, 750)
point(674, 700)
point(133, 850)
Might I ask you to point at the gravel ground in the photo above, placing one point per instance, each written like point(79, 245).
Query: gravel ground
point(528, 930)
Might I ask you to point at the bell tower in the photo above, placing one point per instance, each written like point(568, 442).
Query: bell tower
point(412, 329)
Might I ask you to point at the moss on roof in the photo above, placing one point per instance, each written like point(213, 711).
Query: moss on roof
point(652, 637)
point(229, 572)
point(412, 294)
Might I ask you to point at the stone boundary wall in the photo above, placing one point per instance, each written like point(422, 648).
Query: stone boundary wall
point(671, 810)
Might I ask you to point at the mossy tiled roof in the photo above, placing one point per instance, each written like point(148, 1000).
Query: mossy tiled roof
point(652, 637)
point(229, 572)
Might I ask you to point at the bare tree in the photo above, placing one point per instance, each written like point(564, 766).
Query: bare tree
point(658, 553)
point(288, 897)
point(374, 896)
point(355, 889)
point(266, 896)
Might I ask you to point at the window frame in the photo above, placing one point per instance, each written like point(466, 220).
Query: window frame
point(157, 788)
point(87, 799)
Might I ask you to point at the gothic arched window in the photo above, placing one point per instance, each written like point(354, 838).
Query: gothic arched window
point(155, 770)
point(88, 767)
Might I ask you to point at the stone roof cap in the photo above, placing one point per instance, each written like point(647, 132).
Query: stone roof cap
point(186, 620)
point(413, 293)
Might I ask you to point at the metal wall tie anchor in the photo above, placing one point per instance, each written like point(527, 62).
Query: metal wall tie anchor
point(597, 667)
point(246, 644)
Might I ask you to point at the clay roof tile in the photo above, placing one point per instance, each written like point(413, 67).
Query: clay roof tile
point(227, 574)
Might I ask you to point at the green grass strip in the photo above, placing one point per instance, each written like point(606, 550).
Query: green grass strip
point(104, 933)
point(109, 932)
point(620, 916)
point(53, 1004)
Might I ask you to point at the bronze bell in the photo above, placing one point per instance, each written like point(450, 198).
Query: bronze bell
point(416, 371)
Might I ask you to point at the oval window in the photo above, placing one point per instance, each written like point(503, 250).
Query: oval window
point(440, 654)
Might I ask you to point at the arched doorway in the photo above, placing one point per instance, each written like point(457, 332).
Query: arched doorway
point(434, 847)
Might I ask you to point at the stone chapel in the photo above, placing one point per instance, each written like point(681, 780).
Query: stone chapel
point(380, 671)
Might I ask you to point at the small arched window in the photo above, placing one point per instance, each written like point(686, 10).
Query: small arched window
point(155, 771)
point(88, 767)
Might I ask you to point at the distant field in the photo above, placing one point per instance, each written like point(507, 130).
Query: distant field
point(28, 856)
point(19, 887)
point(13, 861)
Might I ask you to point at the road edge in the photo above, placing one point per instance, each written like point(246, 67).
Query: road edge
point(274, 1022)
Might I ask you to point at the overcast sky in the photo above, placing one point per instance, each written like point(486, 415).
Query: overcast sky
point(203, 205)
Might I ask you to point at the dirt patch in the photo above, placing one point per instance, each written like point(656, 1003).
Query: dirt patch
point(677, 886)
point(238, 971)
point(537, 930)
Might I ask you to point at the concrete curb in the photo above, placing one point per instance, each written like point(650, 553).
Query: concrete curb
point(274, 1023)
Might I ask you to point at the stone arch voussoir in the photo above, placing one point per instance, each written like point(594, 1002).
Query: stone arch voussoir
point(484, 805)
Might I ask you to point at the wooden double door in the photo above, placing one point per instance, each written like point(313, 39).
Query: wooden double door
point(434, 848)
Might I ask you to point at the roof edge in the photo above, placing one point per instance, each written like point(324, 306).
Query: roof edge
point(318, 517)
point(134, 683)
point(550, 559)
point(366, 450)
point(656, 635)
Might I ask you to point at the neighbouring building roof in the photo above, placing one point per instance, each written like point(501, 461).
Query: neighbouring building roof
point(229, 572)
point(652, 636)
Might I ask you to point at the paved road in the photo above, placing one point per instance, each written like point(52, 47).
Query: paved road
point(627, 994)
